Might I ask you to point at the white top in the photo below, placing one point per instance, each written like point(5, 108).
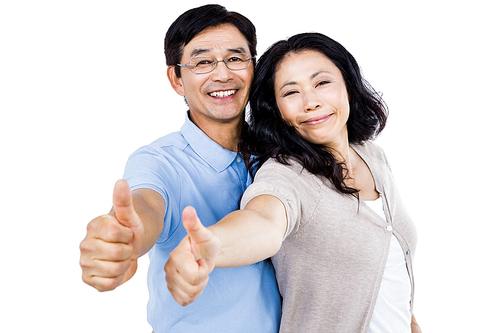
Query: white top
point(392, 308)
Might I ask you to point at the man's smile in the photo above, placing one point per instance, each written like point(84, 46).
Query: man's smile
point(222, 93)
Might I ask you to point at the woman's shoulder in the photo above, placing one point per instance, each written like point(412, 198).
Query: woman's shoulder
point(293, 172)
point(291, 164)
point(370, 150)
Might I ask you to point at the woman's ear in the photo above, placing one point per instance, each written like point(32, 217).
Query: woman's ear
point(175, 81)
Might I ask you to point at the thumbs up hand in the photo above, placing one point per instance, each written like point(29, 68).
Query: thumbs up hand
point(192, 260)
point(113, 243)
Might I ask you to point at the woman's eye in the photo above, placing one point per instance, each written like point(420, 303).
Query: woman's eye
point(322, 83)
point(289, 93)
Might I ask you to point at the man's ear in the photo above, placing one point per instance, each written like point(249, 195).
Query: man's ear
point(175, 82)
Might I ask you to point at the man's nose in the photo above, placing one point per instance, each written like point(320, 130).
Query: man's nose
point(221, 72)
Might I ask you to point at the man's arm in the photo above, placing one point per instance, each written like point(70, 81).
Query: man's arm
point(115, 241)
point(241, 238)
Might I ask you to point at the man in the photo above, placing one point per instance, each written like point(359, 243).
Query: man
point(210, 55)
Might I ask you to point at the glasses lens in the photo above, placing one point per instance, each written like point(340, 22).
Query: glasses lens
point(238, 61)
point(201, 65)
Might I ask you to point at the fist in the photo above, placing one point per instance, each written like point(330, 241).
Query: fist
point(111, 248)
point(191, 262)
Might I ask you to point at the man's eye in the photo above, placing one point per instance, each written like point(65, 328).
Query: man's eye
point(235, 59)
point(203, 62)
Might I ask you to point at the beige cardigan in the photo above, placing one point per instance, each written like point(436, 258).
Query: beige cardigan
point(330, 265)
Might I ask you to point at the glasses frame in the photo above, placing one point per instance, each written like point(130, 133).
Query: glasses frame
point(215, 62)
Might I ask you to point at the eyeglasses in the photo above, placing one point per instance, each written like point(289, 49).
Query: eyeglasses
point(203, 65)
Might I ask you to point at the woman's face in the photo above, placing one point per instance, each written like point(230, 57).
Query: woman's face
point(312, 97)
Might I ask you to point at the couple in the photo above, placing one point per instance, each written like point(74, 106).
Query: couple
point(323, 203)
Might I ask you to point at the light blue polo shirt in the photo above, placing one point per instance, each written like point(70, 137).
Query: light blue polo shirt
point(189, 169)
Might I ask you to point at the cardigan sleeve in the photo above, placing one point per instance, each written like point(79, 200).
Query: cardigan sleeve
point(288, 184)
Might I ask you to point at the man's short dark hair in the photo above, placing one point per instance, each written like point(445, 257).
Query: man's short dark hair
point(194, 21)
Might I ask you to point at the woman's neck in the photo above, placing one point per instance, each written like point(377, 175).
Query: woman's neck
point(342, 151)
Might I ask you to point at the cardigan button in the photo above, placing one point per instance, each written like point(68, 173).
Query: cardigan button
point(389, 228)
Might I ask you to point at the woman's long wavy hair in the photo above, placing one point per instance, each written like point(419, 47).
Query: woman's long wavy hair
point(269, 136)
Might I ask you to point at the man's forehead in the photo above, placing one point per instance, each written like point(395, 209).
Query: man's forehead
point(225, 38)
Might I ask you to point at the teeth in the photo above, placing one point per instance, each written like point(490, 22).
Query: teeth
point(221, 94)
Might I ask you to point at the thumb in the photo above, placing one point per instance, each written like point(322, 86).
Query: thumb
point(123, 205)
point(197, 232)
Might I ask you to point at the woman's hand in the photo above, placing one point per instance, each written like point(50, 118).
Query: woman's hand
point(192, 260)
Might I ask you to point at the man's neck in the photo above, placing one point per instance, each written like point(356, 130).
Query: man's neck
point(226, 134)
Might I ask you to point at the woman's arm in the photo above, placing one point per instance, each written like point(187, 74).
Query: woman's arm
point(243, 237)
point(250, 235)
point(414, 325)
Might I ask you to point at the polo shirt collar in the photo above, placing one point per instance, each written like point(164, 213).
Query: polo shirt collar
point(207, 149)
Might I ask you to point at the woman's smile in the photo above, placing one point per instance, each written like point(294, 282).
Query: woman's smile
point(318, 120)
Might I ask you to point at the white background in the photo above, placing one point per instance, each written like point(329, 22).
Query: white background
point(83, 84)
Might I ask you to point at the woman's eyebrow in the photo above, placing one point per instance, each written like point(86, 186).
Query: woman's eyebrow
point(318, 73)
point(290, 83)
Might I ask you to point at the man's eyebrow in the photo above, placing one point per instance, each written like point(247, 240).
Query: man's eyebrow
point(197, 52)
point(238, 50)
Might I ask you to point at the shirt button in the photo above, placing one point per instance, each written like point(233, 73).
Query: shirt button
point(389, 228)
point(238, 160)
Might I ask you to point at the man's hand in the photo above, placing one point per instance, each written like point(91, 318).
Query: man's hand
point(192, 260)
point(113, 243)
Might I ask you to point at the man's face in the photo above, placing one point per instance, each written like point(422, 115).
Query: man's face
point(221, 95)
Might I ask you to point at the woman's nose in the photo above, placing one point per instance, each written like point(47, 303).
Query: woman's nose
point(312, 103)
point(312, 108)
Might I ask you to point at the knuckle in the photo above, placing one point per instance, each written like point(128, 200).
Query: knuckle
point(86, 245)
point(168, 271)
point(91, 227)
point(110, 284)
point(115, 252)
point(86, 279)
point(113, 231)
point(192, 293)
point(119, 252)
point(195, 279)
point(119, 268)
point(83, 246)
point(95, 224)
point(83, 264)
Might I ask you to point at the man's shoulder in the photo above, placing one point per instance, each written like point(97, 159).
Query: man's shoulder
point(166, 150)
point(174, 140)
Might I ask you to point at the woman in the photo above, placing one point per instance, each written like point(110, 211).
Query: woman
point(323, 203)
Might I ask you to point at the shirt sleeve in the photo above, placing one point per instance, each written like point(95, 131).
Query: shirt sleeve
point(147, 168)
point(282, 182)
